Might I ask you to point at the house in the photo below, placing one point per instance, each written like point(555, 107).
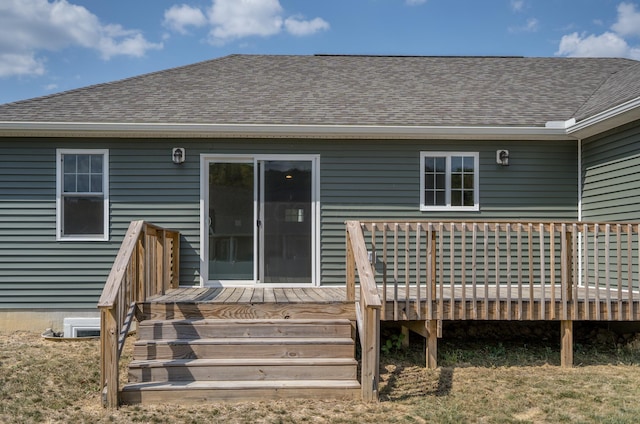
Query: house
point(258, 161)
point(355, 130)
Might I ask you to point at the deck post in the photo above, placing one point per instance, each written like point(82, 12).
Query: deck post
point(371, 355)
point(110, 357)
point(566, 351)
point(431, 354)
point(351, 271)
point(405, 336)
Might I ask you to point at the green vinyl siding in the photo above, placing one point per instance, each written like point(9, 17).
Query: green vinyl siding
point(611, 176)
point(382, 183)
point(359, 179)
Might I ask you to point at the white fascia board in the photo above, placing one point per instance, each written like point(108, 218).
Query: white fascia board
point(560, 124)
point(89, 129)
point(604, 121)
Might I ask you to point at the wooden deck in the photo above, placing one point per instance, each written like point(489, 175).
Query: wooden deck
point(485, 303)
point(248, 303)
point(416, 273)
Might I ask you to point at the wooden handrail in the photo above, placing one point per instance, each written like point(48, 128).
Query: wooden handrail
point(368, 308)
point(146, 264)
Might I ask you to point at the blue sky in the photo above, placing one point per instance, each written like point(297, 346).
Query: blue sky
point(49, 46)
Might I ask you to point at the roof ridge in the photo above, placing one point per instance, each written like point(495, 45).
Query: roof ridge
point(421, 56)
point(604, 82)
point(109, 83)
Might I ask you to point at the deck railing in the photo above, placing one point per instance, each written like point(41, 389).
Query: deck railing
point(504, 270)
point(367, 309)
point(147, 264)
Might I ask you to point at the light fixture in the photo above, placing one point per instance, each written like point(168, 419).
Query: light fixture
point(502, 157)
point(178, 155)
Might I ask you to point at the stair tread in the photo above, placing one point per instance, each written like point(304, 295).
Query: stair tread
point(148, 363)
point(239, 385)
point(251, 340)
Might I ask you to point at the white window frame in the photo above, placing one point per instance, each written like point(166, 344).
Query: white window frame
point(59, 194)
point(448, 206)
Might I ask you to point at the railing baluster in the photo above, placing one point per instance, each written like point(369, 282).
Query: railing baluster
point(418, 267)
point(630, 271)
point(619, 268)
point(564, 275)
point(596, 262)
point(430, 271)
point(508, 240)
point(407, 269)
point(441, 230)
point(531, 275)
point(474, 268)
point(585, 268)
point(485, 305)
point(575, 240)
point(385, 249)
point(497, 270)
point(452, 255)
point(396, 306)
point(463, 265)
point(607, 267)
point(552, 270)
point(520, 282)
point(543, 294)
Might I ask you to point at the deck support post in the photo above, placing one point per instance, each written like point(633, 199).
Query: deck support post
point(566, 351)
point(405, 336)
point(371, 355)
point(109, 354)
point(431, 354)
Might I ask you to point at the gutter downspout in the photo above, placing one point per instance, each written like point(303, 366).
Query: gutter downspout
point(580, 282)
point(580, 180)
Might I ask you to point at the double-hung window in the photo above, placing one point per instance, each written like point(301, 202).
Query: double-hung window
point(449, 181)
point(82, 200)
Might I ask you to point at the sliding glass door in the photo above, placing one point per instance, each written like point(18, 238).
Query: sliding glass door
point(260, 220)
point(286, 221)
point(231, 221)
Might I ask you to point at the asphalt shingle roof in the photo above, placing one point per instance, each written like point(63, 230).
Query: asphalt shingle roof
point(350, 90)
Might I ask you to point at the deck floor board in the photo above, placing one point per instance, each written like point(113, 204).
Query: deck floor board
point(455, 304)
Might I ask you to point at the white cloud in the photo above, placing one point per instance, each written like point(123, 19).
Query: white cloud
point(628, 23)
point(232, 19)
point(178, 18)
point(20, 64)
point(297, 26)
point(608, 44)
point(517, 5)
point(532, 25)
point(28, 27)
point(603, 45)
point(235, 19)
point(415, 2)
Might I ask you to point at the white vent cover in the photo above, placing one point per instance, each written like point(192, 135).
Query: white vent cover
point(81, 327)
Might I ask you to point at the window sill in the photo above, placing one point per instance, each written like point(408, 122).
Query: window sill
point(449, 208)
point(79, 238)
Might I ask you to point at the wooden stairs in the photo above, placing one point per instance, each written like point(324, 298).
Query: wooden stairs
point(194, 360)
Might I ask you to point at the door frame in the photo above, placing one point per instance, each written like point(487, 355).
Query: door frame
point(205, 160)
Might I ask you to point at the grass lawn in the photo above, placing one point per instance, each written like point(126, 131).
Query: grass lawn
point(483, 382)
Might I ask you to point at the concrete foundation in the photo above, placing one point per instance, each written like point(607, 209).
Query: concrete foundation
point(39, 319)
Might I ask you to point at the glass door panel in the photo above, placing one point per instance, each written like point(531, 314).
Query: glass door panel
point(286, 222)
point(231, 221)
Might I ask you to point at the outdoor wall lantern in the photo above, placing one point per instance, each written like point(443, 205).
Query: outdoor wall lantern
point(502, 157)
point(178, 155)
